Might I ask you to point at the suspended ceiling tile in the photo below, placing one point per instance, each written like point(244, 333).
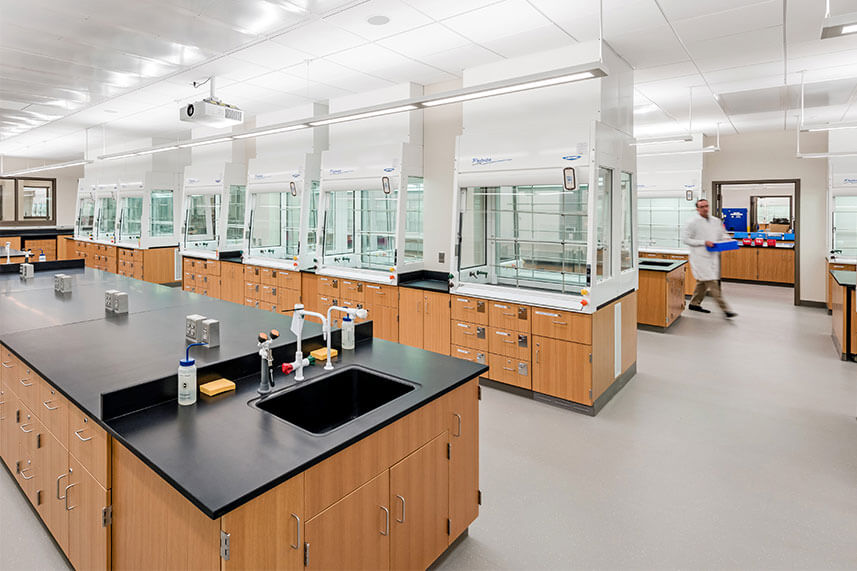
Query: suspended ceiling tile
point(319, 39)
point(456, 60)
point(654, 48)
point(271, 55)
point(375, 60)
point(227, 69)
point(662, 72)
point(682, 9)
point(731, 21)
point(625, 16)
point(402, 17)
point(577, 17)
point(441, 9)
point(427, 40)
point(332, 73)
point(498, 20)
point(804, 21)
point(759, 46)
point(721, 79)
point(543, 38)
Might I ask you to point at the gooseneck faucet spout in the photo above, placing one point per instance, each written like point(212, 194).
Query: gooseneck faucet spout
point(297, 328)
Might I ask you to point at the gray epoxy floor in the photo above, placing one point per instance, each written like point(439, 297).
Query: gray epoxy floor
point(734, 447)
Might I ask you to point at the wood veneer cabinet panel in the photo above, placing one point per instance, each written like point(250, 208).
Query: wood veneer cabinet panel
point(831, 282)
point(562, 369)
point(158, 264)
point(462, 417)
point(653, 298)
point(90, 445)
point(776, 265)
point(411, 317)
point(566, 325)
point(436, 326)
point(89, 542)
point(232, 283)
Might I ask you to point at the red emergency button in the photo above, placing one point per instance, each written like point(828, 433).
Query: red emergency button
point(584, 302)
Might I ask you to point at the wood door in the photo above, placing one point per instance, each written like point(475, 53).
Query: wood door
point(353, 533)
point(729, 264)
point(265, 533)
point(30, 457)
point(411, 317)
point(287, 298)
point(419, 500)
point(469, 309)
point(510, 316)
point(52, 481)
point(562, 369)
point(675, 296)
point(436, 324)
point(88, 538)
point(463, 425)
point(566, 325)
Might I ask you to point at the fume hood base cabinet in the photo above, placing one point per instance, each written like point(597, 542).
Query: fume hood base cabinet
point(424, 319)
point(396, 499)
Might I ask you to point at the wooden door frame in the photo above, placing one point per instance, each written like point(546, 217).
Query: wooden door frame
point(716, 189)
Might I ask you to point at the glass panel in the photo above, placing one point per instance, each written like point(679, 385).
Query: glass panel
point(627, 251)
point(661, 220)
point(845, 225)
point(275, 226)
point(34, 202)
point(235, 217)
point(7, 200)
point(161, 223)
point(312, 226)
point(130, 218)
point(604, 223)
point(536, 236)
point(203, 211)
point(339, 227)
point(414, 221)
point(774, 210)
point(106, 226)
point(85, 216)
point(377, 229)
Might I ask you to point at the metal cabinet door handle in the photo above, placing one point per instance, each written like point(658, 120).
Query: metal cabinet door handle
point(49, 407)
point(509, 314)
point(26, 384)
point(387, 527)
point(82, 439)
point(60, 477)
point(297, 544)
point(23, 425)
point(25, 477)
point(537, 354)
point(458, 431)
point(6, 365)
point(67, 488)
point(559, 322)
point(403, 509)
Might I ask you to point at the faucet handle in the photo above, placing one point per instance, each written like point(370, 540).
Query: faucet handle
point(263, 337)
point(275, 333)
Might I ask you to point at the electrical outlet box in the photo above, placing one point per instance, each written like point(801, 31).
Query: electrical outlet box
point(27, 271)
point(193, 327)
point(441, 257)
point(62, 283)
point(120, 302)
point(108, 299)
point(211, 332)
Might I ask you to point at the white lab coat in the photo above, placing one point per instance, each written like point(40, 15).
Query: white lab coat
point(705, 265)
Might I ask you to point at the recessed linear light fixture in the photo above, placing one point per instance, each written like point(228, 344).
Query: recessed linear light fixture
point(836, 26)
point(663, 140)
point(50, 167)
point(264, 132)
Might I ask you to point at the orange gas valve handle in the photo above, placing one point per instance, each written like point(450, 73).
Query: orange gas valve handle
point(275, 333)
point(263, 337)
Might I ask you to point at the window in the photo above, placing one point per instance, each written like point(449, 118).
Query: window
point(85, 216)
point(627, 250)
point(161, 218)
point(474, 229)
point(27, 202)
point(604, 223)
point(414, 221)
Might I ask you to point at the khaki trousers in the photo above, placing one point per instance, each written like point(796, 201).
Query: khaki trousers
point(712, 287)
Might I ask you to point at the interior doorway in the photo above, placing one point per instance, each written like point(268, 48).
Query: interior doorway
point(770, 208)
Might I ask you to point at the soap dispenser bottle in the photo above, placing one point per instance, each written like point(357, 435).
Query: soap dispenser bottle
point(347, 332)
point(187, 378)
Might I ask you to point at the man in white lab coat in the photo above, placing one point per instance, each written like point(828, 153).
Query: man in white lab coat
point(699, 234)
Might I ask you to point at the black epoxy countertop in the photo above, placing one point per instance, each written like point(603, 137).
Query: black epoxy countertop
point(430, 285)
point(220, 452)
point(659, 264)
point(845, 278)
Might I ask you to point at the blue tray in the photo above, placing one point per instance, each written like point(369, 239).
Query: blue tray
point(723, 246)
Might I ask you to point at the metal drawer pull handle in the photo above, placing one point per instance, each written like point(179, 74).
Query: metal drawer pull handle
point(26, 384)
point(23, 425)
point(387, 528)
point(25, 477)
point(60, 477)
point(508, 369)
point(466, 333)
point(559, 322)
point(67, 488)
point(403, 509)
point(297, 544)
point(82, 439)
point(49, 407)
point(508, 341)
point(458, 431)
point(6, 365)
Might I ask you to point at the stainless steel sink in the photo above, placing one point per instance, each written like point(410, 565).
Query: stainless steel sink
point(322, 405)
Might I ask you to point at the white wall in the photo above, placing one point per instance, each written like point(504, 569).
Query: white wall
point(771, 155)
point(66, 185)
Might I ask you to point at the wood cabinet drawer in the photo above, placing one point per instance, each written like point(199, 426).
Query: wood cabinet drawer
point(375, 294)
point(252, 289)
point(53, 410)
point(509, 342)
point(287, 298)
point(509, 316)
point(676, 256)
point(251, 302)
point(468, 354)
point(289, 280)
point(24, 384)
point(850, 267)
point(252, 274)
point(90, 445)
point(469, 335)
point(211, 267)
point(268, 276)
point(470, 309)
point(510, 371)
point(210, 289)
point(328, 286)
point(351, 289)
point(268, 293)
point(564, 325)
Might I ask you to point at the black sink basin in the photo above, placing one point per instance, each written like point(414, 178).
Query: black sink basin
point(657, 264)
point(322, 405)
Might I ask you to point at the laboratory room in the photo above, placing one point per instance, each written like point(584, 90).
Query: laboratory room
point(412, 284)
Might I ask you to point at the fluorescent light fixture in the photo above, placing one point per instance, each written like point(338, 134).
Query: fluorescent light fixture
point(829, 127)
point(570, 78)
point(270, 131)
point(122, 156)
point(190, 144)
point(157, 150)
point(708, 149)
point(663, 140)
point(75, 163)
point(365, 115)
point(842, 25)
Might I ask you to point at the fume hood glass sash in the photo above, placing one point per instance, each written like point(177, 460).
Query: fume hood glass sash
point(162, 214)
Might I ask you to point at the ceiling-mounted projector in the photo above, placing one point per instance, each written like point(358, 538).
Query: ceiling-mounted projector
point(212, 113)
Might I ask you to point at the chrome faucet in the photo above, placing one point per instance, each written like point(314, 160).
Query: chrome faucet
point(359, 313)
point(266, 380)
point(297, 328)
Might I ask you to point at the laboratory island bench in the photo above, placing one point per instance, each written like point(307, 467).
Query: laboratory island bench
point(844, 311)
point(124, 477)
point(661, 291)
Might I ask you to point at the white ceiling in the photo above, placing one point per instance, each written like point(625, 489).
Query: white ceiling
point(69, 66)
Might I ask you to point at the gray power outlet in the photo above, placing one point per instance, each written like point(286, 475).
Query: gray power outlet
point(441, 257)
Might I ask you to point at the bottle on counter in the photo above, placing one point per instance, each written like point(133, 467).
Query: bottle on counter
point(187, 378)
point(347, 332)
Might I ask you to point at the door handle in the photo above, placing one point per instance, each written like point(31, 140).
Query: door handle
point(6, 365)
point(23, 425)
point(25, 384)
point(297, 544)
point(458, 416)
point(403, 509)
point(67, 488)
point(82, 439)
point(387, 526)
point(60, 477)
point(537, 355)
point(25, 477)
point(48, 407)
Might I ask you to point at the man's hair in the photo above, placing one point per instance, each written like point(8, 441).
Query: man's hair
point(701, 200)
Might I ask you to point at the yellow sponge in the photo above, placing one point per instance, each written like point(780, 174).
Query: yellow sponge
point(321, 354)
point(217, 387)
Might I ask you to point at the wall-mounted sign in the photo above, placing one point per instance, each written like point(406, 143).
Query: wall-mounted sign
point(569, 179)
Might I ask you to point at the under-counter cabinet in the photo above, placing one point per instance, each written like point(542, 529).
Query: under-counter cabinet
point(424, 319)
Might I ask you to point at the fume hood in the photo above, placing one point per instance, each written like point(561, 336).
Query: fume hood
point(213, 210)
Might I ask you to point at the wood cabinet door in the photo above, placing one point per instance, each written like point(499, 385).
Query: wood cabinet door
point(53, 410)
point(90, 444)
point(30, 457)
point(463, 425)
point(353, 533)
point(411, 320)
point(385, 322)
point(265, 533)
point(309, 291)
point(9, 410)
point(776, 265)
point(562, 369)
point(88, 538)
point(419, 501)
point(232, 283)
point(53, 478)
point(436, 325)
